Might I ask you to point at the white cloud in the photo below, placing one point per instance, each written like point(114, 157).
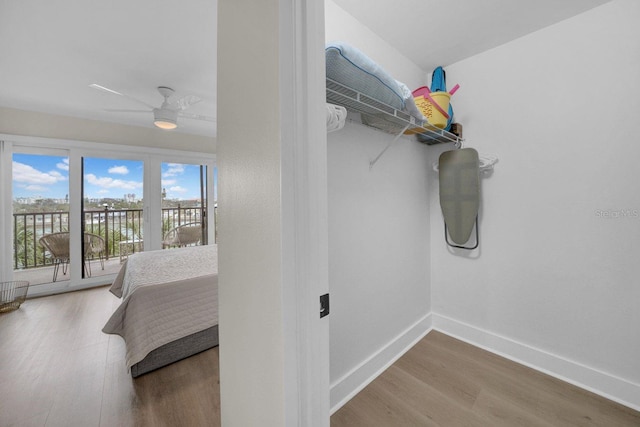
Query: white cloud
point(64, 165)
point(28, 174)
point(108, 182)
point(120, 170)
point(174, 169)
point(178, 189)
point(167, 182)
point(103, 191)
point(35, 187)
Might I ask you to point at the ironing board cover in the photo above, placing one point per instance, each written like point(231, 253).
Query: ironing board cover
point(459, 191)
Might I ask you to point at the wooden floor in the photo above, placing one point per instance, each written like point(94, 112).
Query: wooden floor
point(58, 369)
point(445, 382)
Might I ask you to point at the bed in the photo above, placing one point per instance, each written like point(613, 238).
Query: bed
point(169, 307)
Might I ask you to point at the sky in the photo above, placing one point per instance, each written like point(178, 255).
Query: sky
point(48, 177)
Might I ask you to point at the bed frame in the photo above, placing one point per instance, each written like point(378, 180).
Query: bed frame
point(177, 350)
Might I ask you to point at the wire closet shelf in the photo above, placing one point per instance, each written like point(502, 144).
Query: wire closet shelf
point(385, 117)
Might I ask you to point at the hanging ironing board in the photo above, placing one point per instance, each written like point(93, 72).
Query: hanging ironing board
point(459, 173)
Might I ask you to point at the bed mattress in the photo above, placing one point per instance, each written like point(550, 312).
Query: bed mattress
point(166, 295)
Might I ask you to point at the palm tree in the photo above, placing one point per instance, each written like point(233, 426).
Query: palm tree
point(26, 253)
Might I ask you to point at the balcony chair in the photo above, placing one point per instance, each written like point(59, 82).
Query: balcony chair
point(93, 247)
point(183, 235)
point(57, 244)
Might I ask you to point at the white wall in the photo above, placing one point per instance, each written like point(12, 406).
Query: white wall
point(342, 26)
point(274, 357)
point(29, 123)
point(249, 227)
point(378, 232)
point(555, 281)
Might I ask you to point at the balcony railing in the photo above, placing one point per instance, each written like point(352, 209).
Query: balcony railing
point(114, 225)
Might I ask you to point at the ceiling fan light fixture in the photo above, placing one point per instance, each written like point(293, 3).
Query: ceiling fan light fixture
point(165, 125)
point(165, 119)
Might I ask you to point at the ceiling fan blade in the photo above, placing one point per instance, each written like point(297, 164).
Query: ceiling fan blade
point(116, 110)
point(187, 101)
point(196, 116)
point(106, 89)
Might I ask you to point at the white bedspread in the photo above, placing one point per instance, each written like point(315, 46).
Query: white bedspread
point(166, 295)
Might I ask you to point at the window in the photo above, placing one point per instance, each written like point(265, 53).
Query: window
point(184, 204)
point(40, 217)
point(107, 201)
point(112, 212)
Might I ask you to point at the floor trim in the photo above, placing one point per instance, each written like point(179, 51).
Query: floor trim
point(359, 377)
point(609, 386)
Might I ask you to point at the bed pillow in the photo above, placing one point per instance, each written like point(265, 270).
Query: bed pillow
point(410, 106)
point(352, 68)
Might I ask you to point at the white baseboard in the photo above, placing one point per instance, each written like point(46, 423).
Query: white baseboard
point(606, 385)
point(358, 378)
point(36, 291)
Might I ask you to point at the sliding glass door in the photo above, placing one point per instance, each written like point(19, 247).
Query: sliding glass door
point(112, 212)
point(75, 211)
point(40, 220)
point(184, 205)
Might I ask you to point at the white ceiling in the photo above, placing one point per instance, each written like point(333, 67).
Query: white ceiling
point(441, 32)
point(51, 51)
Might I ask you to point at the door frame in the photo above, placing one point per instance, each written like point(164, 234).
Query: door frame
point(304, 180)
point(277, 373)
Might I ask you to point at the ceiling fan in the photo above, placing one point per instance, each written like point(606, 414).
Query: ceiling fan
point(166, 116)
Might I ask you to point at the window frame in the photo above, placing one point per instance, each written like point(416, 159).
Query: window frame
point(152, 159)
